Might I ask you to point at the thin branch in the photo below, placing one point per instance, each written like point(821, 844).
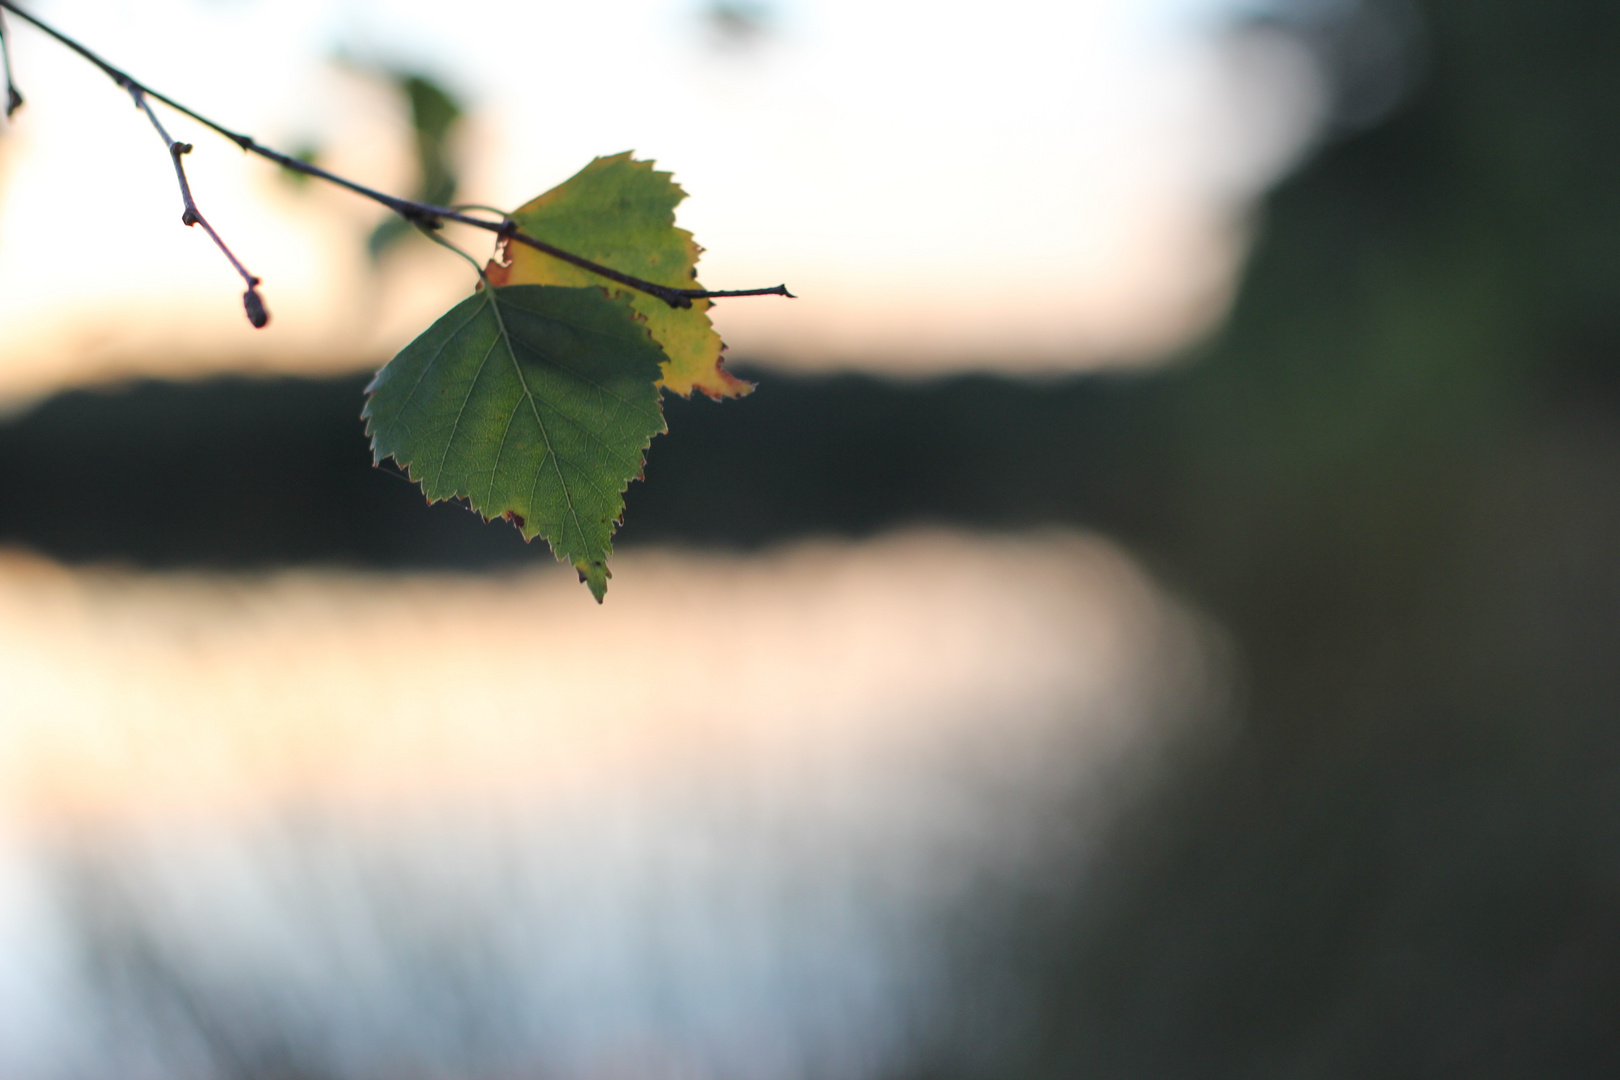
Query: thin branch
point(251, 300)
point(418, 213)
point(14, 98)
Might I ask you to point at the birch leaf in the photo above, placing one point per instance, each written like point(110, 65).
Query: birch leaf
point(533, 403)
point(620, 212)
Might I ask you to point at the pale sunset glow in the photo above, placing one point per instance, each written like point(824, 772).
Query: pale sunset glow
point(1033, 187)
point(135, 694)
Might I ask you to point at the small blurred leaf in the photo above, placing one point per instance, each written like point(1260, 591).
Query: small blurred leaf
point(434, 115)
point(621, 213)
point(534, 403)
point(737, 22)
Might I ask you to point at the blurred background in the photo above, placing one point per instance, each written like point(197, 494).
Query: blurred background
point(1157, 616)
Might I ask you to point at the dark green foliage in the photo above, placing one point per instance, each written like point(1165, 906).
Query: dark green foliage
point(1395, 480)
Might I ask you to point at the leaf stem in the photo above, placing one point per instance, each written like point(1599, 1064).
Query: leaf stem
point(497, 211)
point(422, 214)
point(251, 300)
point(442, 242)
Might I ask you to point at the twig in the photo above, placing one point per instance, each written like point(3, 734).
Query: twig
point(251, 300)
point(418, 213)
point(14, 98)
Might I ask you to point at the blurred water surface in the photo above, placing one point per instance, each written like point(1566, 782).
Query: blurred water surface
point(731, 824)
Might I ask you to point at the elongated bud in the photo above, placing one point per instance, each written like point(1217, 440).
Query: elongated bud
point(254, 303)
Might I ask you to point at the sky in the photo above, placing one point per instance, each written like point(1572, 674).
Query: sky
point(1038, 186)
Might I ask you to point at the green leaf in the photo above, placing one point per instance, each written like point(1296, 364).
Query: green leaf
point(534, 403)
point(620, 212)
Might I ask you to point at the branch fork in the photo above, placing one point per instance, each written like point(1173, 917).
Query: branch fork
point(423, 215)
point(252, 302)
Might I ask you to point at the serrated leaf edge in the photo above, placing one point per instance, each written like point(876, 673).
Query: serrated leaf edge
point(597, 585)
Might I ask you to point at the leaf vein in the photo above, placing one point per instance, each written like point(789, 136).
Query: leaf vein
point(551, 451)
point(462, 411)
